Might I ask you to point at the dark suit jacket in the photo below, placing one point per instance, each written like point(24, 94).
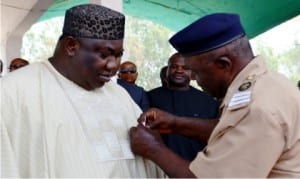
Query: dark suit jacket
point(190, 103)
point(137, 93)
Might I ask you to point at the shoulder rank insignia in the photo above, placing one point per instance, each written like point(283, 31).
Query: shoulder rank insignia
point(243, 96)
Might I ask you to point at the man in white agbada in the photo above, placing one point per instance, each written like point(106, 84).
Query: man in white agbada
point(63, 117)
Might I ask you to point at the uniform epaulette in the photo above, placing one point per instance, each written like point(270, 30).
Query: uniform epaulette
point(242, 97)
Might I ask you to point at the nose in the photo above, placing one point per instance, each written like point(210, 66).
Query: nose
point(179, 69)
point(113, 63)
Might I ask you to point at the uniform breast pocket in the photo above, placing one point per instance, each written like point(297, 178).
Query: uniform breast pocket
point(220, 134)
point(228, 121)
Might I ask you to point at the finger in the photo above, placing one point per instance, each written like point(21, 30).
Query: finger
point(132, 130)
point(140, 125)
point(142, 117)
point(154, 122)
point(144, 123)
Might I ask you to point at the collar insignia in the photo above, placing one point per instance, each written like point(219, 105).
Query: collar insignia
point(245, 86)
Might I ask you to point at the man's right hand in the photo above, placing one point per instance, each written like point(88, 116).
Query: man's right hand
point(158, 120)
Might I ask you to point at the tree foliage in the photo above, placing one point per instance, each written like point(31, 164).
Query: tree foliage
point(39, 41)
point(286, 62)
point(146, 44)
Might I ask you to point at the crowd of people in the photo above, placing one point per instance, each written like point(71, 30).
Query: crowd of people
point(65, 117)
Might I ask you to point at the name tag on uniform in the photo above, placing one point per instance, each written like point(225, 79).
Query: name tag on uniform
point(239, 99)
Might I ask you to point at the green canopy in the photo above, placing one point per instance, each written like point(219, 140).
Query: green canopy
point(257, 15)
point(59, 7)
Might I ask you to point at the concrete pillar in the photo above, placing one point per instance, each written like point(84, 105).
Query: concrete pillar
point(11, 42)
point(14, 38)
point(116, 5)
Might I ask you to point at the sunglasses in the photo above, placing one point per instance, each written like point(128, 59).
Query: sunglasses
point(124, 71)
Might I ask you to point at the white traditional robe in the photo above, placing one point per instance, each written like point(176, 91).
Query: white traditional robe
point(51, 127)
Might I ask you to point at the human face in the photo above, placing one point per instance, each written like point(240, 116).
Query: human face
point(17, 64)
point(128, 72)
point(96, 61)
point(208, 74)
point(178, 74)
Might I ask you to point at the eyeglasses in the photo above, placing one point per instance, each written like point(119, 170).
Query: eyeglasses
point(124, 71)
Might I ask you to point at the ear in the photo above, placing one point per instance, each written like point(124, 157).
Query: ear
point(71, 45)
point(224, 63)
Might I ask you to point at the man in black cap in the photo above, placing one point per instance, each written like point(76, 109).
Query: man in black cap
point(64, 117)
point(257, 135)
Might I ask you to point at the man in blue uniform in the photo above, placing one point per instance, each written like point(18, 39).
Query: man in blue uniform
point(257, 134)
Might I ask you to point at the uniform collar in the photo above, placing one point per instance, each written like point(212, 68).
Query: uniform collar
point(255, 68)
